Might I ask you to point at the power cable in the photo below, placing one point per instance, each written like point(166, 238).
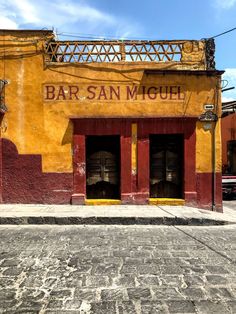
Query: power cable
point(107, 37)
point(218, 35)
point(99, 37)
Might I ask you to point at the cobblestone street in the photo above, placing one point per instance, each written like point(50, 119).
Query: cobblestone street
point(117, 269)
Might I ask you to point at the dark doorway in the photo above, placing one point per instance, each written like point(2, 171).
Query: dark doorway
point(231, 152)
point(103, 167)
point(166, 166)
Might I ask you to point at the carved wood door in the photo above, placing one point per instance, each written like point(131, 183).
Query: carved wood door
point(166, 166)
point(103, 167)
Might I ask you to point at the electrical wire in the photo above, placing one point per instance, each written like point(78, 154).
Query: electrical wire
point(87, 37)
point(100, 37)
point(218, 35)
point(107, 37)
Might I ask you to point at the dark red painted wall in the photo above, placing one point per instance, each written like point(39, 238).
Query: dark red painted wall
point(170, 126)
point(135, 189)
point(205, 191)
point(24, 182)
point(84, 127)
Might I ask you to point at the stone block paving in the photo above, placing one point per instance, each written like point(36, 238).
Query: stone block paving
point(117, 269)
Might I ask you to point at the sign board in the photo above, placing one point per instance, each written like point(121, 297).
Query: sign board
point(76, 92)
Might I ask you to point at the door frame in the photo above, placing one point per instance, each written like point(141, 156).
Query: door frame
point(185, 126)
point(134, 190)
point(103, 126)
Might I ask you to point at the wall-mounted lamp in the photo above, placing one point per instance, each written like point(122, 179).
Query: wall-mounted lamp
point(208, 116)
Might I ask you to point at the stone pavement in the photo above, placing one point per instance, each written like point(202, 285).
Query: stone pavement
point(114, 214)
point(51, 269)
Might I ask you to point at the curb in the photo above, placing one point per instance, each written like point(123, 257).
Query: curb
point(52, 220)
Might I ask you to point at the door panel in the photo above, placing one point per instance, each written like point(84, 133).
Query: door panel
point(166, 166)
point(102, 167)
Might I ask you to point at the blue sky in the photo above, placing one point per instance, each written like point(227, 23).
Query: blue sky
point(147, 19)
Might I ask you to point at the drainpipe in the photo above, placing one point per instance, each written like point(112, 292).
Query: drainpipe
point(214, 148)
point(213, 166)
point(211, 118)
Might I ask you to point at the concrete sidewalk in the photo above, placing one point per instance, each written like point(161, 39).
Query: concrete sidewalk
point(114, 214)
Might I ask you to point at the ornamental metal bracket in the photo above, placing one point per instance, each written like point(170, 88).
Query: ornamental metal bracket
point(210, 54)
point(2, 85)
point(3, 107)
point(208, 116)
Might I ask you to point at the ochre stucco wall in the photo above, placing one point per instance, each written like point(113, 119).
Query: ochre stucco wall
point(42, 98)
point(204, 148)
point(39, 126)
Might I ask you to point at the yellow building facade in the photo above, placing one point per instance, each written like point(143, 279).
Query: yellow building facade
point(109, 122)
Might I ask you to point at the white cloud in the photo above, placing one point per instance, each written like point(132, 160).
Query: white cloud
point(82, 12)
point(65, 15)
point(25, 11)
point(47, 13)
point(224, 4)
point(7, 23)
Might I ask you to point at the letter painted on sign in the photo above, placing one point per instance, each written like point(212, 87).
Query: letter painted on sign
point(132, 93)
point(173, 92)
point(102, 93)
point(179, 94)
point(115, 91)
point(61, 93)
point(152, 92)
point(143, 92)
point(50, 92)
point(163, 92)
point(73, 90)
point(91, 90)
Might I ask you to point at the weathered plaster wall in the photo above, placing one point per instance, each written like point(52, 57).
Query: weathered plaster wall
point(40, 126)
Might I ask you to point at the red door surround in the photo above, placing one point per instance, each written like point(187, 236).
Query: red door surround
point(132, 193)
